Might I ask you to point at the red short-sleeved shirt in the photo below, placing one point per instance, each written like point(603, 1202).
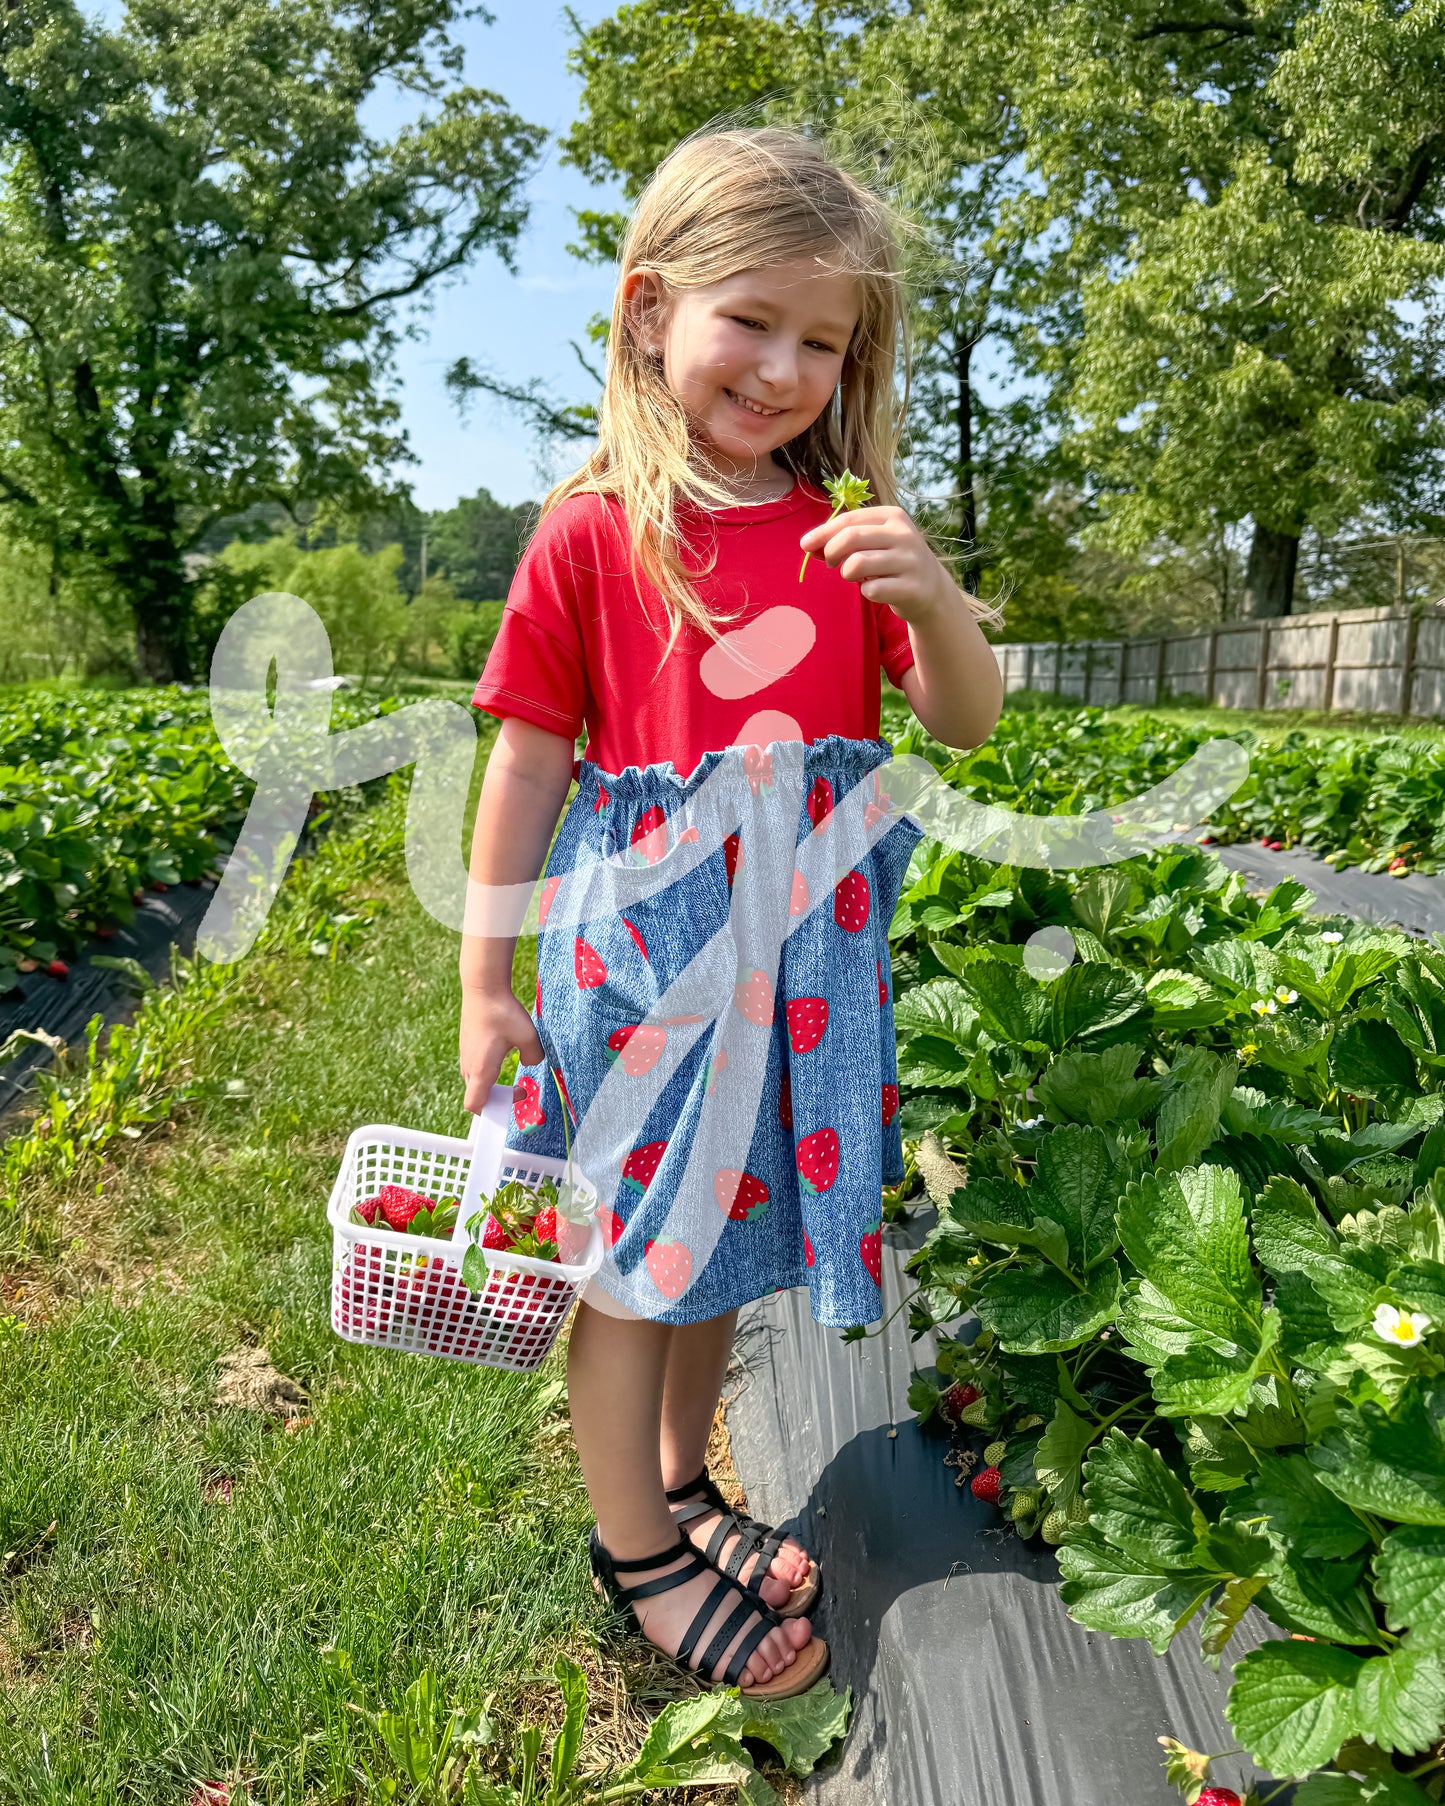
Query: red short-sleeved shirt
point(582, 642)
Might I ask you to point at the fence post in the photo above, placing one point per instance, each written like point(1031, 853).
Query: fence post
point(1330, 658)
point(1059, 669)
point(1212, 669)
point(1088, 671)
point(1407, 676)
point(1159, 658)
point(1262, 673)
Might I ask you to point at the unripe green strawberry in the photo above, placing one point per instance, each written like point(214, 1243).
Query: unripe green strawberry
point(994, 1453)
point(1078, 1509)
point(975, 1415)
point(983, 1341)
point(1054, 1526)
point(1030, 1423)
point(1025, 1502)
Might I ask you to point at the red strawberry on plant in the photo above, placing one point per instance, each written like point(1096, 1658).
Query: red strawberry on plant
point(527, 1111)
point(732, 856)
point(640, 1167)
point(798, 902)
point(890, 1104)
point(820, 802)
point(638, 1045)
point(636, 935)
point(670, 1264)
point(742, 1196)
point(818, 1160)
point(649, 834)
point(753, 997)
point(785, 1100)
point(850, 903)
point(588, 964)
point(882, 988)
point(959, 1396)
point(986, 1485)
point(105, 931)
point(807, 1249)
point(870, 1246)
point(1219, 1796)
point(807, 1019)
point(544, 907)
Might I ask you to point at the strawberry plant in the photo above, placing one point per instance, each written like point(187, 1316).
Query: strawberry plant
point(101, 796)
point(1201, 1244)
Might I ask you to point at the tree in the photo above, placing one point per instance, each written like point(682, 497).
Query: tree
point(1253, 199)
point(477, 545)
point(204, 257)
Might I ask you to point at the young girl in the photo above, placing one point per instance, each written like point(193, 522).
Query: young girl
point(659, 607)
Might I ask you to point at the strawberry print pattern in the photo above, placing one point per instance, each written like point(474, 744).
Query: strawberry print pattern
point(799, 1204)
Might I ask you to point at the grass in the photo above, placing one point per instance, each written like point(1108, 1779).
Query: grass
point(174, 1568)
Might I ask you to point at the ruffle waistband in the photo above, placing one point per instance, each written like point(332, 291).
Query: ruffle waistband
point(834, 757)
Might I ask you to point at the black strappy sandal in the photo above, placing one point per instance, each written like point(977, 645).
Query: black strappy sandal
point(752, 1536)
point(808, 1665)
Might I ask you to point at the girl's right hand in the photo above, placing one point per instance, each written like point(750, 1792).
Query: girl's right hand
point(493, 1023)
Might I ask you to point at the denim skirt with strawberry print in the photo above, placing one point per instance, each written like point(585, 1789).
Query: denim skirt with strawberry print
point(714, 998)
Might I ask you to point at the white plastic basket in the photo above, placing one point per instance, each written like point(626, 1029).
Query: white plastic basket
point(391, 1290)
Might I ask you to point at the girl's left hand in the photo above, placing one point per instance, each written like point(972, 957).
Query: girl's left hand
point(883, 552)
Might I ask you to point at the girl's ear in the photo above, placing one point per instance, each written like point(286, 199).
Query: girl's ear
point(644, 304)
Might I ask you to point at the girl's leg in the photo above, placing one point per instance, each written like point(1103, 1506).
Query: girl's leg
point(697, 1361)
point(615, 1377)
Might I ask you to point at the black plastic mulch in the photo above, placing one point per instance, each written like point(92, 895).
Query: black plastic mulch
point(63, 1006)
point(971, 1685)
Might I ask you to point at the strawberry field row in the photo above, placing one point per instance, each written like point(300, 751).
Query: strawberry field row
point(1203, 1233)
point(100, 796)
point(1373, 802)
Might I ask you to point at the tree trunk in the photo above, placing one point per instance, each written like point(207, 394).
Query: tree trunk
point(1269, 576)
point(155, 580)
point(967, 498)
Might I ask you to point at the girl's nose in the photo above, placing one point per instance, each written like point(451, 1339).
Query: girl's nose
point(778, 366)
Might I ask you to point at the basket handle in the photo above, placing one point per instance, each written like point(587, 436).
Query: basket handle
point(487, 1139)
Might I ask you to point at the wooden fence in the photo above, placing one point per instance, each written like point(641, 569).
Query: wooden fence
point(1385, 660)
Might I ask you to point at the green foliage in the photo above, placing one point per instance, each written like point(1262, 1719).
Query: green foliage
point(443, 1754)
point(102, 794)
point(1204, 1180)
point(201, 273)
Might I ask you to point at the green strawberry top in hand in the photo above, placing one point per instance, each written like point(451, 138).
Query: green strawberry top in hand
point(848, 492)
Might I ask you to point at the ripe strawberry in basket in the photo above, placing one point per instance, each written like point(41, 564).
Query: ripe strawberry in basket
point(399, 1208)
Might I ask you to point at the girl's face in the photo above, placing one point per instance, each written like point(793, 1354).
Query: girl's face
point(753, 359)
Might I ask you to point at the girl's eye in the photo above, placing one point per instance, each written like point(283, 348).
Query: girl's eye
point(818, 345)
point(742, 322)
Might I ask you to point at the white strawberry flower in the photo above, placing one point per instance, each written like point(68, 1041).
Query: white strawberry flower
point(1032, 1122)
point(1331, 938)
point(1404, 1329)
point(1267, 1008)
point(1285, 995)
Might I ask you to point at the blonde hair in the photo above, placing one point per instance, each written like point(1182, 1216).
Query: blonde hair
point(724, 202)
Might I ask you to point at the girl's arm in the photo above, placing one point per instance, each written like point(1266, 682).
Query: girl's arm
point(528, 775)
point(954, 686)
